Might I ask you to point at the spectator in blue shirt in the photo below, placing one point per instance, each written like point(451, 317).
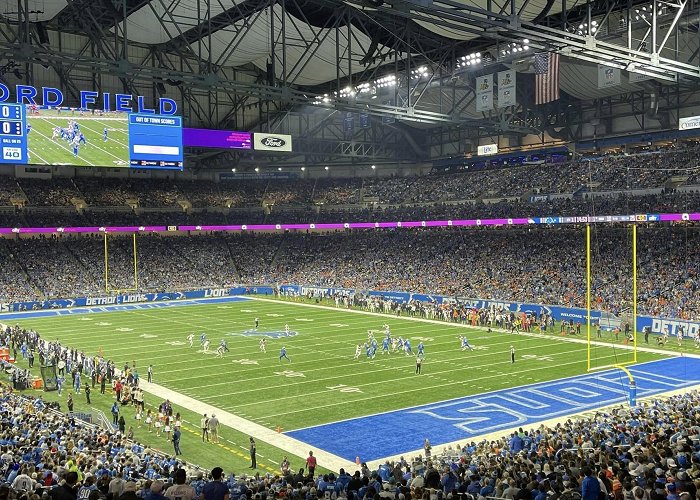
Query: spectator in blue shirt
point(590, 487)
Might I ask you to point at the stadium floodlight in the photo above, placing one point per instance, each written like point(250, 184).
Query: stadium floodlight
point(514, 48)
point(374, 167)
point(326, 167)
point(419, 73)
point(233, 170)
point(385, 81)
point(257, 169)
point(303, 168)
point(279, 169)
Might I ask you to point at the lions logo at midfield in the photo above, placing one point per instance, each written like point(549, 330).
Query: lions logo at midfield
point(273, 334)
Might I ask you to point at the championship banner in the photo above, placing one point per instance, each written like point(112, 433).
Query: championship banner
point(484, 93)
point(608, 77)
point(506, 88)
point(48, 375)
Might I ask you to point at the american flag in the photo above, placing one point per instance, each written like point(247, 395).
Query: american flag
point(546, 77)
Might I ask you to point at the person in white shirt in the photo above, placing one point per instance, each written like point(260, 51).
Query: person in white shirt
point(180, 490)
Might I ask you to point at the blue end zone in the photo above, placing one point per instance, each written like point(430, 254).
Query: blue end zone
point(122, 307)
point(400, 431)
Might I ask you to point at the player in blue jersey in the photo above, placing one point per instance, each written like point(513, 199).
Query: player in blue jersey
point(465, 344)
point(371, 351)
point(420, 349)
point(385, 345)
point(81, 138)
point(29, 128)
point(75, 147)
point(104, 135)
point(283, 354)
point(407, 347)
point(202, 338)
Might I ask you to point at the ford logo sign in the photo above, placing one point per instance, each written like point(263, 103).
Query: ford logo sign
point(273, 142)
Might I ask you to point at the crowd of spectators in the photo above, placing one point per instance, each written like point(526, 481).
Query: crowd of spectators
point(604, 173)
point(613, 204)
point(533, 265)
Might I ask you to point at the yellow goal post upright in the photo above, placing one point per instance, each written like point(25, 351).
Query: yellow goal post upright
point(622, 365)
point(108, 289)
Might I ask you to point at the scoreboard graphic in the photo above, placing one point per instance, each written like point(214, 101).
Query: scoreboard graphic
point(89, 138)
point(13, 139)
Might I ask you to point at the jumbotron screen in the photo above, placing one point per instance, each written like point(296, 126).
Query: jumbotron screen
point(89, 138)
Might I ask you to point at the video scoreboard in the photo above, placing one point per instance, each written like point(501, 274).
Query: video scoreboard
point(90, 138)
point(13, 139)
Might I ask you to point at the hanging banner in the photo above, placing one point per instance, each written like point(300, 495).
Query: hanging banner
point(388, 118)
point(608, 77)
point(506, 88)
point(484, 93)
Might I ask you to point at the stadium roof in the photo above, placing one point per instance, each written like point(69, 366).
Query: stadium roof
point(413, 61)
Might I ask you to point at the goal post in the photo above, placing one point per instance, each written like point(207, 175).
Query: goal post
point(621, 365)
point(109, 289)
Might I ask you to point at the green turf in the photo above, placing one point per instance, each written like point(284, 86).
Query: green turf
point(322, 383)
point(111, 153)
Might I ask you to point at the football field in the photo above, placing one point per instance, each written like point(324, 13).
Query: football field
point(322, 385)
point(46, 149)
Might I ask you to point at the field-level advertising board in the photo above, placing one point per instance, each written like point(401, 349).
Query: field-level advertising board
point(89, 138)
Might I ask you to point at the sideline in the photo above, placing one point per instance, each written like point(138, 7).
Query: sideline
point(259, 432)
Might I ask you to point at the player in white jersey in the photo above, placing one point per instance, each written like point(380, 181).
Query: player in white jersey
point(286, 330)
point(220, 351)
point(262, 344)
point(358, 351)
point(697, 339)
point(205, 346)
point(679, 334)
point(190, 339)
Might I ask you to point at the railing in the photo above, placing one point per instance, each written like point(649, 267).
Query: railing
point(102, 420)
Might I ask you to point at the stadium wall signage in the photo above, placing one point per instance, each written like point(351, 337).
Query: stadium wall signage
point(656, 325)
point(53, 97)
point(272, 142)
point(689, 122)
